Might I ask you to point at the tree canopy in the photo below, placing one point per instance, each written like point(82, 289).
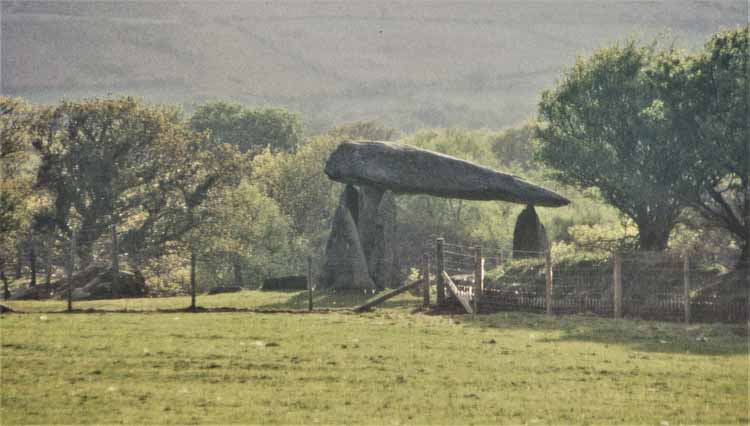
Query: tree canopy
point(248, 129)
point(606, 126)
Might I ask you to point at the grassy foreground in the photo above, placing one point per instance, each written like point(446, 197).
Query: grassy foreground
point(386, 367)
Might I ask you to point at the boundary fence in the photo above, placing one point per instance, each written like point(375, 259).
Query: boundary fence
point(659, 286)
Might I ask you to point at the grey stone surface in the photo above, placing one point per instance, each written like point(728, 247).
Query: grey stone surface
point(407, 169)
point(381, 260)
point(529, 235)
point(345, 265)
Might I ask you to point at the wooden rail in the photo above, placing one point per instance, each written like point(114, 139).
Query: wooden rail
point(383, 297)
point(454, 290)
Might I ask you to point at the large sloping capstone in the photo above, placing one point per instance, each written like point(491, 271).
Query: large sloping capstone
point(346, 265)
point(360, 251)
point(407, 169)
point(529, 236)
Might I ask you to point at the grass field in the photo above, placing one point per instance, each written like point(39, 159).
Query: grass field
point(394, 365)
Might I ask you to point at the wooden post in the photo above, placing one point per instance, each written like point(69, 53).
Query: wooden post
point(4, 279)
point(426, 280)
point(193, 261)
point(478, 277)
point(115, 258)
point(32, 259)
point(48, 264)
point(309, 284)
point(440, 269)
point(617, 284)
point(71, 269)
point(686, 289)
point(548, 287)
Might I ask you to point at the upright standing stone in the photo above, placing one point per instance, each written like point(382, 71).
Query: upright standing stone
point(382, 259)
point(529, 236)
point(346, 265)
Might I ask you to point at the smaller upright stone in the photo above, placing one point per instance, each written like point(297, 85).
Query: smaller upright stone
point(529, 236)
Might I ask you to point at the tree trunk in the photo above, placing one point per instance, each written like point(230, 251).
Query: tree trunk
point(48, 266)
point(653, 237)
point(19, 260)
point(32, 260)
point(115, 258)
point(237, 273)
point(6, 290)
point(743, 263)
point(192, 278)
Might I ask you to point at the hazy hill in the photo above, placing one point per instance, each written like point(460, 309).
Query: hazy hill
point(409, 63)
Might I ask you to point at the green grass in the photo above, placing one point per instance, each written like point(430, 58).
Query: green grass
point(249, 299)
point(394, 365)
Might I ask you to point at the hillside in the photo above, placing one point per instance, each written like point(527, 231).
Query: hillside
point(410, 64)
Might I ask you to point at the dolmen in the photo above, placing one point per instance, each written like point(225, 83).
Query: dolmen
point(359, 252)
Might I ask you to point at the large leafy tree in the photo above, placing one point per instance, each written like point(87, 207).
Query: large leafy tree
point(17, 202)
point(606, 126)
point(15, 148)
point(122, 164)
point(719, 156)
point(249, 129)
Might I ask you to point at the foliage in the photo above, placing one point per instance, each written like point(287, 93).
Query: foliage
point(248, 233)
point(605, 126)
point(716, 127)
point(363, 130)
point(248, 129)
point(119, 162)
point(17, 201)
point(296, 181)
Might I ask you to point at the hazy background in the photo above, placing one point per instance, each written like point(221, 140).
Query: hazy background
point(407, 64)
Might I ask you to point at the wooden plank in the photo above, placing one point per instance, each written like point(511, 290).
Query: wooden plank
point(440, 268)
point(454, 290)
point(426, 280)
point(309, 284)
point(548, 279)
point(383, 297)
point(617, 284)
point(686, 288)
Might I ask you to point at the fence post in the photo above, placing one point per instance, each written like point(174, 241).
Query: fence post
point(686, 290)
point(617, 284)
point(32, 259)
point(548, 287)
point(309, 284)
point(115, 257)
point(71, 269)
point(478, 277)
point(193, 261)
point(440, 269)
point(426, 280)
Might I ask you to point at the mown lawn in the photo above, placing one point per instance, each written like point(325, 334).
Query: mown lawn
point(393, 365)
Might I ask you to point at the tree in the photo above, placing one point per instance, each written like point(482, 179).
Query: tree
point(18, 202)
point(605, 126)
point(717, 125)
point(249, 129)
point(15, 147)
point(108, 163)
point(364, 130)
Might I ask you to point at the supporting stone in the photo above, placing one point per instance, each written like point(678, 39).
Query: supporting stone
point(346, 265)
point(529, 236)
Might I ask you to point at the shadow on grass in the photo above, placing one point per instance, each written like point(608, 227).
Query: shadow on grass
point(639, 335)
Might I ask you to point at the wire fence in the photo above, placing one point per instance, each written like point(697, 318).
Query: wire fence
point(648, 285)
